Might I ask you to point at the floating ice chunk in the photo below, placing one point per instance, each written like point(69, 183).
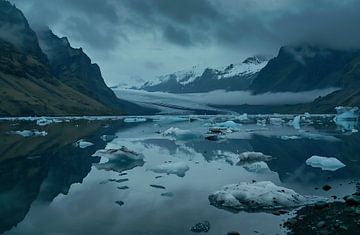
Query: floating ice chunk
point(307, 115)
point(118, 153)
point(276, 121)
point(43, 122)
point(29, 133)
point(243, 117)
point(135, 119)
point(177, 168)
point(83, 144)
point(180, 134)
point(257, 167)
point(347, 118)
point(228, 126)
point(257, 196)
point(346, 113)
point(119, 160)
point(325, 163)
point(290, 137)
point(107, 138)
point(296, 122)
point(251, 157)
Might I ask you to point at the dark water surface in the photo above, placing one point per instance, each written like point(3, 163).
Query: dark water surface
point(48, 185)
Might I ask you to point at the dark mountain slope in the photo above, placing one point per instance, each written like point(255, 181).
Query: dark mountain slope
point(307, 68)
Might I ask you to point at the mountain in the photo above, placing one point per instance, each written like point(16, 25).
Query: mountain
point(198, 79)
point(307, 67)
point(47, 76)
point(75, 69)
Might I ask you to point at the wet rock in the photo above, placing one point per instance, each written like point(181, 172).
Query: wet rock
point(321, 205)
point(212, 137)
point(352, 200)
point(321, 224)
point(157, 186)
point(120, 203)
point(233, 233)
point(326, 187)
point(202, 227)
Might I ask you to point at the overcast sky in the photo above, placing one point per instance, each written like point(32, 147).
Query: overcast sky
point(139, 39)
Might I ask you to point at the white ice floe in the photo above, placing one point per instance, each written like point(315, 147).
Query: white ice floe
point(135, 119)
point(118, 153)
point(250, 157)
point(325, 163)
point(177, 168)
point(257, 167)
point(29, 133)
point(257, 196)
point(180, 134)
point(83, 144)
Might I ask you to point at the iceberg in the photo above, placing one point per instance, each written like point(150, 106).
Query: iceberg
point(180, 134)
point(120, 160)
point(347, 118)
point(29, 133)
point(325, 163)
point(296, 122)
point(118, 153)
point(177, 168)
point(276, 121)
point(83, 144)
point(257, 196)
point(251, 157)
point(257, 167)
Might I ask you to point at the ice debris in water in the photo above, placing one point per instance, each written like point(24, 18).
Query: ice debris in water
point(118, 153)
point(296, 122)
point(107, 138)
point(257, 196)
point(135, 119)
point(257, 167)
point(325, 163)
point(29, 133)
point(347, 118)
point(290, 137)
point(228, 124)
point(251, 157)
point(83, 144)
point(177, 168)
point(180, 134)
point(276, 121)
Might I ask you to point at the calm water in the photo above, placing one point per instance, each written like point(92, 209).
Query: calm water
point(50, 186)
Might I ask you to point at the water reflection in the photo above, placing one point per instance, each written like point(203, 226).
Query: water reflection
point(49, 179)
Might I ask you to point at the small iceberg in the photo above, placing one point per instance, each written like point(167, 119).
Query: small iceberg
point(231, 125)
point(83, 144)
point(257, 167)
point(118, 153)
point(276, 121)
point(296, 122)
point(107, 138)
point(120, 160)
point(325, 163)
point(180, 134)
point(253, 197)
point(251, 157)
point(177, 168)
point(347, 118)
point(135, 119)
point(29, 133)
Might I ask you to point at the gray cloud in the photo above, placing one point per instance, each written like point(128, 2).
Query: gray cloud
point(200, 31)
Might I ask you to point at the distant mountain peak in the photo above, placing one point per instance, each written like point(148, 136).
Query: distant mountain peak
point(236, 76)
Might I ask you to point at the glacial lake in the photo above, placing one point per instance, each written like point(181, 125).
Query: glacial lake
point(52, 183)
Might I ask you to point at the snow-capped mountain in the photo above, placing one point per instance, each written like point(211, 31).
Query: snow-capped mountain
point(202, 79)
